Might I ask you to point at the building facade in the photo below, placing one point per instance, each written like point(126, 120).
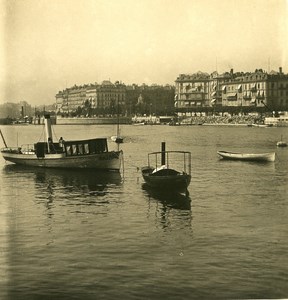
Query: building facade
point(245, 90)
point(192, 90)
point(101, 97)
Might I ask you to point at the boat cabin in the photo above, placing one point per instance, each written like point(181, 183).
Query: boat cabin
point(72, 148)
point(86, 147)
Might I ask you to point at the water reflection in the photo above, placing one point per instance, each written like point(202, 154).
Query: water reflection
point(168, 199)
point(172, 211)
point(69, 182)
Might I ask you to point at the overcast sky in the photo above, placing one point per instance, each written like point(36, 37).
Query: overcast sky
point(48, 45)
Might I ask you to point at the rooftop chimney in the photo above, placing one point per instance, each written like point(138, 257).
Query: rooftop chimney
point(280, 70)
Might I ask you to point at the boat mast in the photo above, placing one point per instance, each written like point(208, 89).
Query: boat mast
point(163, 149)
point(118, 120)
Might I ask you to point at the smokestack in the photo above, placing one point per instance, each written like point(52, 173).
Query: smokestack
point(280, 70)
point(49, 137)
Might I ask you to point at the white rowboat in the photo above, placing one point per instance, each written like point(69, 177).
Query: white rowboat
point(262, 157)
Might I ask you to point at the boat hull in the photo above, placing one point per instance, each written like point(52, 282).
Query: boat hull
point(261, 125)
point(177, 183)
point(102, 161)
point(281, 144)
point(261, 157)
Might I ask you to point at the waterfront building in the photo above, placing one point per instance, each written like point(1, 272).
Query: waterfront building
point(257, 89)
point(217, 81)
point(277, 90)
point(101, 97)
point(91, 95)
point(109, 95)
point(245, 90)
point(62, 101)
point(192, 91)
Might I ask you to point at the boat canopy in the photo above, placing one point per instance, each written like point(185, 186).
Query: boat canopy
point(86, 146)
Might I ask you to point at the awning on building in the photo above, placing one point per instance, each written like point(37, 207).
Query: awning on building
point(232, 96)
point(247, 95)
point(187, 103)
point(224, 88)
point(239, 88)
point(213, 101)
point(253, 100)
point(213, 94)
point(198, 103)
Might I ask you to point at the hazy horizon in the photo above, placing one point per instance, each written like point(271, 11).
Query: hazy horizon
point(48, 45)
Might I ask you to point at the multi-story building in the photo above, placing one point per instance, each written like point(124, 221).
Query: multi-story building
point(257, 89)
point(217, 81)
point(110, 95)
point(277, 90)
point(192, 90)
point(96, 96)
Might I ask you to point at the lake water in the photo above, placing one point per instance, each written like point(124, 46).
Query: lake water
point(89, 235)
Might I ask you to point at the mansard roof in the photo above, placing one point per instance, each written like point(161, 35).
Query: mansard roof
point(107, 82)
point(196, 76)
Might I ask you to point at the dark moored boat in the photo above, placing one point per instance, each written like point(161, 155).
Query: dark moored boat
point(281, 143)
point(163, 176)
point(82, 154)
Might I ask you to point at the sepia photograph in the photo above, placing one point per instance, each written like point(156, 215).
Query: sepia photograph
point(143, 149)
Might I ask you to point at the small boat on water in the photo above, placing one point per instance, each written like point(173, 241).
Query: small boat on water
point(261, 125)
point(261, 157)
point(280, 121)
point(162, 176)
point(139, 123)
point(281, 143)
point(79, 154)
point(117, 138)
